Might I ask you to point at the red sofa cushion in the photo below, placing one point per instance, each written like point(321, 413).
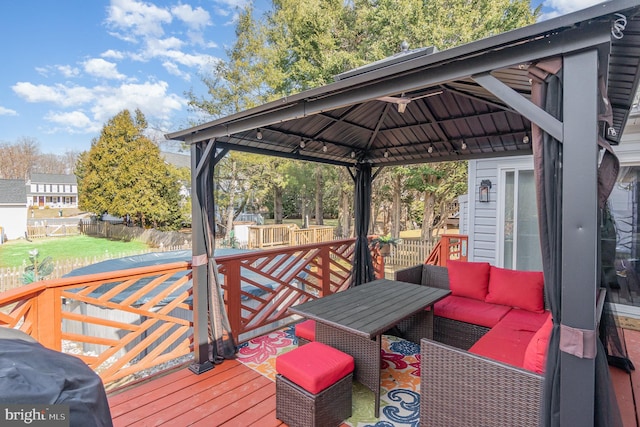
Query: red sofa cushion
point(469, 279)
point(519, 289)
point(306, 330)
point(507, 342)
point(470, 310)
point(535, 356)
point(314, 366)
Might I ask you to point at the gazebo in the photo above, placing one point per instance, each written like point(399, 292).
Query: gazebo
point(561, 90)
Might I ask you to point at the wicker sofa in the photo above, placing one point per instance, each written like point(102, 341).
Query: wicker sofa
point(461, 388)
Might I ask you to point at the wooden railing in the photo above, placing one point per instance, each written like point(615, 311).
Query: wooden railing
point(118, 322)
point(260, 286)
point(450, 246)
point(123, 322)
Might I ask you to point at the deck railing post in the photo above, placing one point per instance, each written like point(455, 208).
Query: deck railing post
point(232, 279)
point(48, 329)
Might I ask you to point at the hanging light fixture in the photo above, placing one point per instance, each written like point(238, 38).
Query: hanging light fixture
point(525, 139)
point(324, 147)
point(353, 154)
point(386, 153)
point(464, 145)
point(302, 143)
point(430, 149)
point(259, 134)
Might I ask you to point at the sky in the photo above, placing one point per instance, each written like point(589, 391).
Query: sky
point(71, 65)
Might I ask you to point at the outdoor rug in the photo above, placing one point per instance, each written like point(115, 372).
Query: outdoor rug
point(400, 378)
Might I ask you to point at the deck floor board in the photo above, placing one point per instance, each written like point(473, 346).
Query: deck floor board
point(235, 395)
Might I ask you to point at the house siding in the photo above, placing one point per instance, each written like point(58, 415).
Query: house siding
point(482, 218)
point(13, 209)
point(52, 190)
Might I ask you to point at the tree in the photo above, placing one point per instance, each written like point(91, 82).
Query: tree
point(123, 174)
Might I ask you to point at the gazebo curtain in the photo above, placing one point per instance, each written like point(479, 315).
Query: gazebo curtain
point(222, 344)
point(547, 93)
point(362, 271)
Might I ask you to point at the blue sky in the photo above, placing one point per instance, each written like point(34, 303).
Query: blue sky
point(71, 65)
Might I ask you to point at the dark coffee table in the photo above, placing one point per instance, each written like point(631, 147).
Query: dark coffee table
point(354, 320)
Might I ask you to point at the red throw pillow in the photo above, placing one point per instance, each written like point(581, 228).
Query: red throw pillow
point(535, 356)
point(469, 279)
point(519, 289)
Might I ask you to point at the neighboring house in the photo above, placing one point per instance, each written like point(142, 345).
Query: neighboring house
point(13, 209)
point(52, 190)
point(504, 230)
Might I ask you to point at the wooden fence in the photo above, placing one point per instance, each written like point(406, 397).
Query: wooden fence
point(268, 236)
point(408, 253)
point(52, 230)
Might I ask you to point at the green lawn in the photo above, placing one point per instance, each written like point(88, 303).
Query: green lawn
point(13, 253)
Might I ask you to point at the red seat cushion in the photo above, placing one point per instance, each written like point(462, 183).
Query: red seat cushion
point(314, 366)
point(535, 356)
point(306, 330)
point(519, 289)
point(507, 342)
point(470, 310)
point(469, 279)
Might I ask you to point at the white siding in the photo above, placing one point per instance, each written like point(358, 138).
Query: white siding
point(482, 219)
point(13, 220)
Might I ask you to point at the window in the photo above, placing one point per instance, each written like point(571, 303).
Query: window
point(520, 249)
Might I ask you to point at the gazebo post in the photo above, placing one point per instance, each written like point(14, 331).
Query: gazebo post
point(199, 272)
point(580, 232)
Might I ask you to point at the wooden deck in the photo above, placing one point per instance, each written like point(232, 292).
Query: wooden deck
point(235, 395)
point(229, 395)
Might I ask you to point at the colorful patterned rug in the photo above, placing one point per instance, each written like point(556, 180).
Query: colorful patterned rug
point(400, 378)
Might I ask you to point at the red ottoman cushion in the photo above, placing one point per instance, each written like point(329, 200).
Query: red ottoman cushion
point(314, 366)
point(306, 330)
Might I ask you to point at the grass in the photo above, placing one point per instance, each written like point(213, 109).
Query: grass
point(15, 252)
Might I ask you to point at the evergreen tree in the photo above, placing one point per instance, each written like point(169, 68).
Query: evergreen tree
point(123, 174)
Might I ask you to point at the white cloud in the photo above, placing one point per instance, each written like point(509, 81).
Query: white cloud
point(113, 54)
point(130, 19)
point(151, 97)
point(60, 94)
point(173, 69)
point(72, 122)
point(103, 102)
point(98, 67)
point(196, 19)
point(68, 70)
point(7, 111)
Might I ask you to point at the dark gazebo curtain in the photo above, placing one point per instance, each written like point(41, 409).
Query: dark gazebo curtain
point(547, 94)
point(362, 271)
point(222, 342)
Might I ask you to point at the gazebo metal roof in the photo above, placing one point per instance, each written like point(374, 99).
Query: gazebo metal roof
point(454, 112)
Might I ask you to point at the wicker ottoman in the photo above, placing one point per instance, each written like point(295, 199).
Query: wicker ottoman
point(313, 386)
point(306, 331)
